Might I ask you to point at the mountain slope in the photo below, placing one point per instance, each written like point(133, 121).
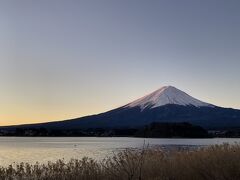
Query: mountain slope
point(168, 104)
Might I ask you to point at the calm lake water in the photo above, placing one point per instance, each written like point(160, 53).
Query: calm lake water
point(43, 149)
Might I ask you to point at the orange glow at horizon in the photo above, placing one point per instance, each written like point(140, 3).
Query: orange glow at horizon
point(24, 113)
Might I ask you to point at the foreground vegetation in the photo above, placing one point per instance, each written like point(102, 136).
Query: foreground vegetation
point(220, 162)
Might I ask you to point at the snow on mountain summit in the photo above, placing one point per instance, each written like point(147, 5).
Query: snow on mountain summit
point(167, 95)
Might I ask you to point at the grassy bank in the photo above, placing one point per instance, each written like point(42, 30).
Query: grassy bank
point(220, 162)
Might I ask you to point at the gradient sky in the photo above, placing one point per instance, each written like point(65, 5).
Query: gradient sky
point(61, 59)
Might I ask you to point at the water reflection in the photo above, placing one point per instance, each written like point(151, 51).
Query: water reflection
point(43, 149)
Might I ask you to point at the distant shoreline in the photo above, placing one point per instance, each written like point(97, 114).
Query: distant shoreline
point(153, 130)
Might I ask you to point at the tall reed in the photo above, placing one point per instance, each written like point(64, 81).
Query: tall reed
point(219, 162)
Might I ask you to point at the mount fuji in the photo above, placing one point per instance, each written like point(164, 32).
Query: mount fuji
point(167, 95)
point(167, 104)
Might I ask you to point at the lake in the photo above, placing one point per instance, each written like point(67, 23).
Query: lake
point(44, 149)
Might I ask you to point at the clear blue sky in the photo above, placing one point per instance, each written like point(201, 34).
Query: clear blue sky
point(61, 59)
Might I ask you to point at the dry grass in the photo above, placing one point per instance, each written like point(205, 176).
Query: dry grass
point(220, 162)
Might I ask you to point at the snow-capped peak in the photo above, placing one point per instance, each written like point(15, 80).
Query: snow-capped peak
point(167, 95)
